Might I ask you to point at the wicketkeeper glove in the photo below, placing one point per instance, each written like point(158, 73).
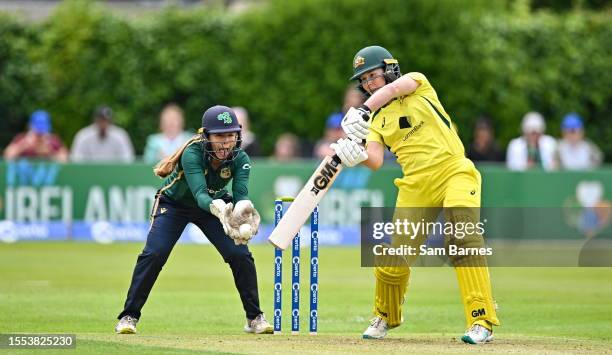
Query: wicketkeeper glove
point(223, 211)
point(356, 123)
point(244, 221)
point(349, 152)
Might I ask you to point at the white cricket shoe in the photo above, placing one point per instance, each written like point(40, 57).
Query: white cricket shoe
point(126, 325)
point(477, 334)
point(259, 325)
point(377, 329)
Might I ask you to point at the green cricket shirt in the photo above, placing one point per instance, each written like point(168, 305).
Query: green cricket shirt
point(195, 183)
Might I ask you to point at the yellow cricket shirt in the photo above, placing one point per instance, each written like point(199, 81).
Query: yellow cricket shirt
point(417, 129)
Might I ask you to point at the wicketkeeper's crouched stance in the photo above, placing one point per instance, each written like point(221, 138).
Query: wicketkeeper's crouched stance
point(408, 119)
point(194, 190)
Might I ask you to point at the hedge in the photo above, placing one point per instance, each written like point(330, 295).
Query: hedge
point(288, 62)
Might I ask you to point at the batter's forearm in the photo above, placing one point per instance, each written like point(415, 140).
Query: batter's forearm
point(373, 164)
point(400, 87)
point(381, 97)
point(376, 156)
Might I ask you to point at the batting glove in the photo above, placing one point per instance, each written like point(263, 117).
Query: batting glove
point(349, 152)
point(356, 123)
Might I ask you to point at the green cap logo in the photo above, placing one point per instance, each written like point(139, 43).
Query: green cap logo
point(225, 117)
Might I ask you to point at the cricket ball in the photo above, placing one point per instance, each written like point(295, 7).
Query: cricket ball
point(245, 231)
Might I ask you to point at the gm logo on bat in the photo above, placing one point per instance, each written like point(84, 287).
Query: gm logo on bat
point(324, 176)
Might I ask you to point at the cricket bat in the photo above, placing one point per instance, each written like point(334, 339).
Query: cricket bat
point(304, 203)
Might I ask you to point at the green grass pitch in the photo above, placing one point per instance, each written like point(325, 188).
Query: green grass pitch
point(79, 288)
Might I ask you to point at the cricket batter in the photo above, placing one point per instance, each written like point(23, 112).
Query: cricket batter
point(194, 190)
point(408, 119)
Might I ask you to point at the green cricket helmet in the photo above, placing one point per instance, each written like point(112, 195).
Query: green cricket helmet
point(374, 57)
point(220, 119)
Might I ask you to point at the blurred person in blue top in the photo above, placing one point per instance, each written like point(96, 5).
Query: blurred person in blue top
point(576, 152)
point(333, 132)
point(171, 137)
point(38, 142)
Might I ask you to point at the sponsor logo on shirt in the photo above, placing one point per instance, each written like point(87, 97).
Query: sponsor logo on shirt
point(413, 130)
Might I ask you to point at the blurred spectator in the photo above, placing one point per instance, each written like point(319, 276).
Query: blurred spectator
point(484, 147)
point(352, 98)
point(333, 132)
point(249, 141)
point(172, 136)
point(333, 129)
point(287, 147)
point(102, 141)
point(533, 149)
point(576, 152)
point(38, 142)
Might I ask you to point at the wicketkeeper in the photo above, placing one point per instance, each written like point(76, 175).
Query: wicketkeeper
point(195, 190)
point(404, 115)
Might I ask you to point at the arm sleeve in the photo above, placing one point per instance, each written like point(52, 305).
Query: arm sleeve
point(194, 175)
point(240, 182)
point(374, 136)
point(424, 88)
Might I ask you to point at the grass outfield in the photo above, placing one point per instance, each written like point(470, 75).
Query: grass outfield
point(68, 287)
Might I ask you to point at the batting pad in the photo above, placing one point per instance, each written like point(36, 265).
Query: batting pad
point(475, 288)
point(391, 284)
